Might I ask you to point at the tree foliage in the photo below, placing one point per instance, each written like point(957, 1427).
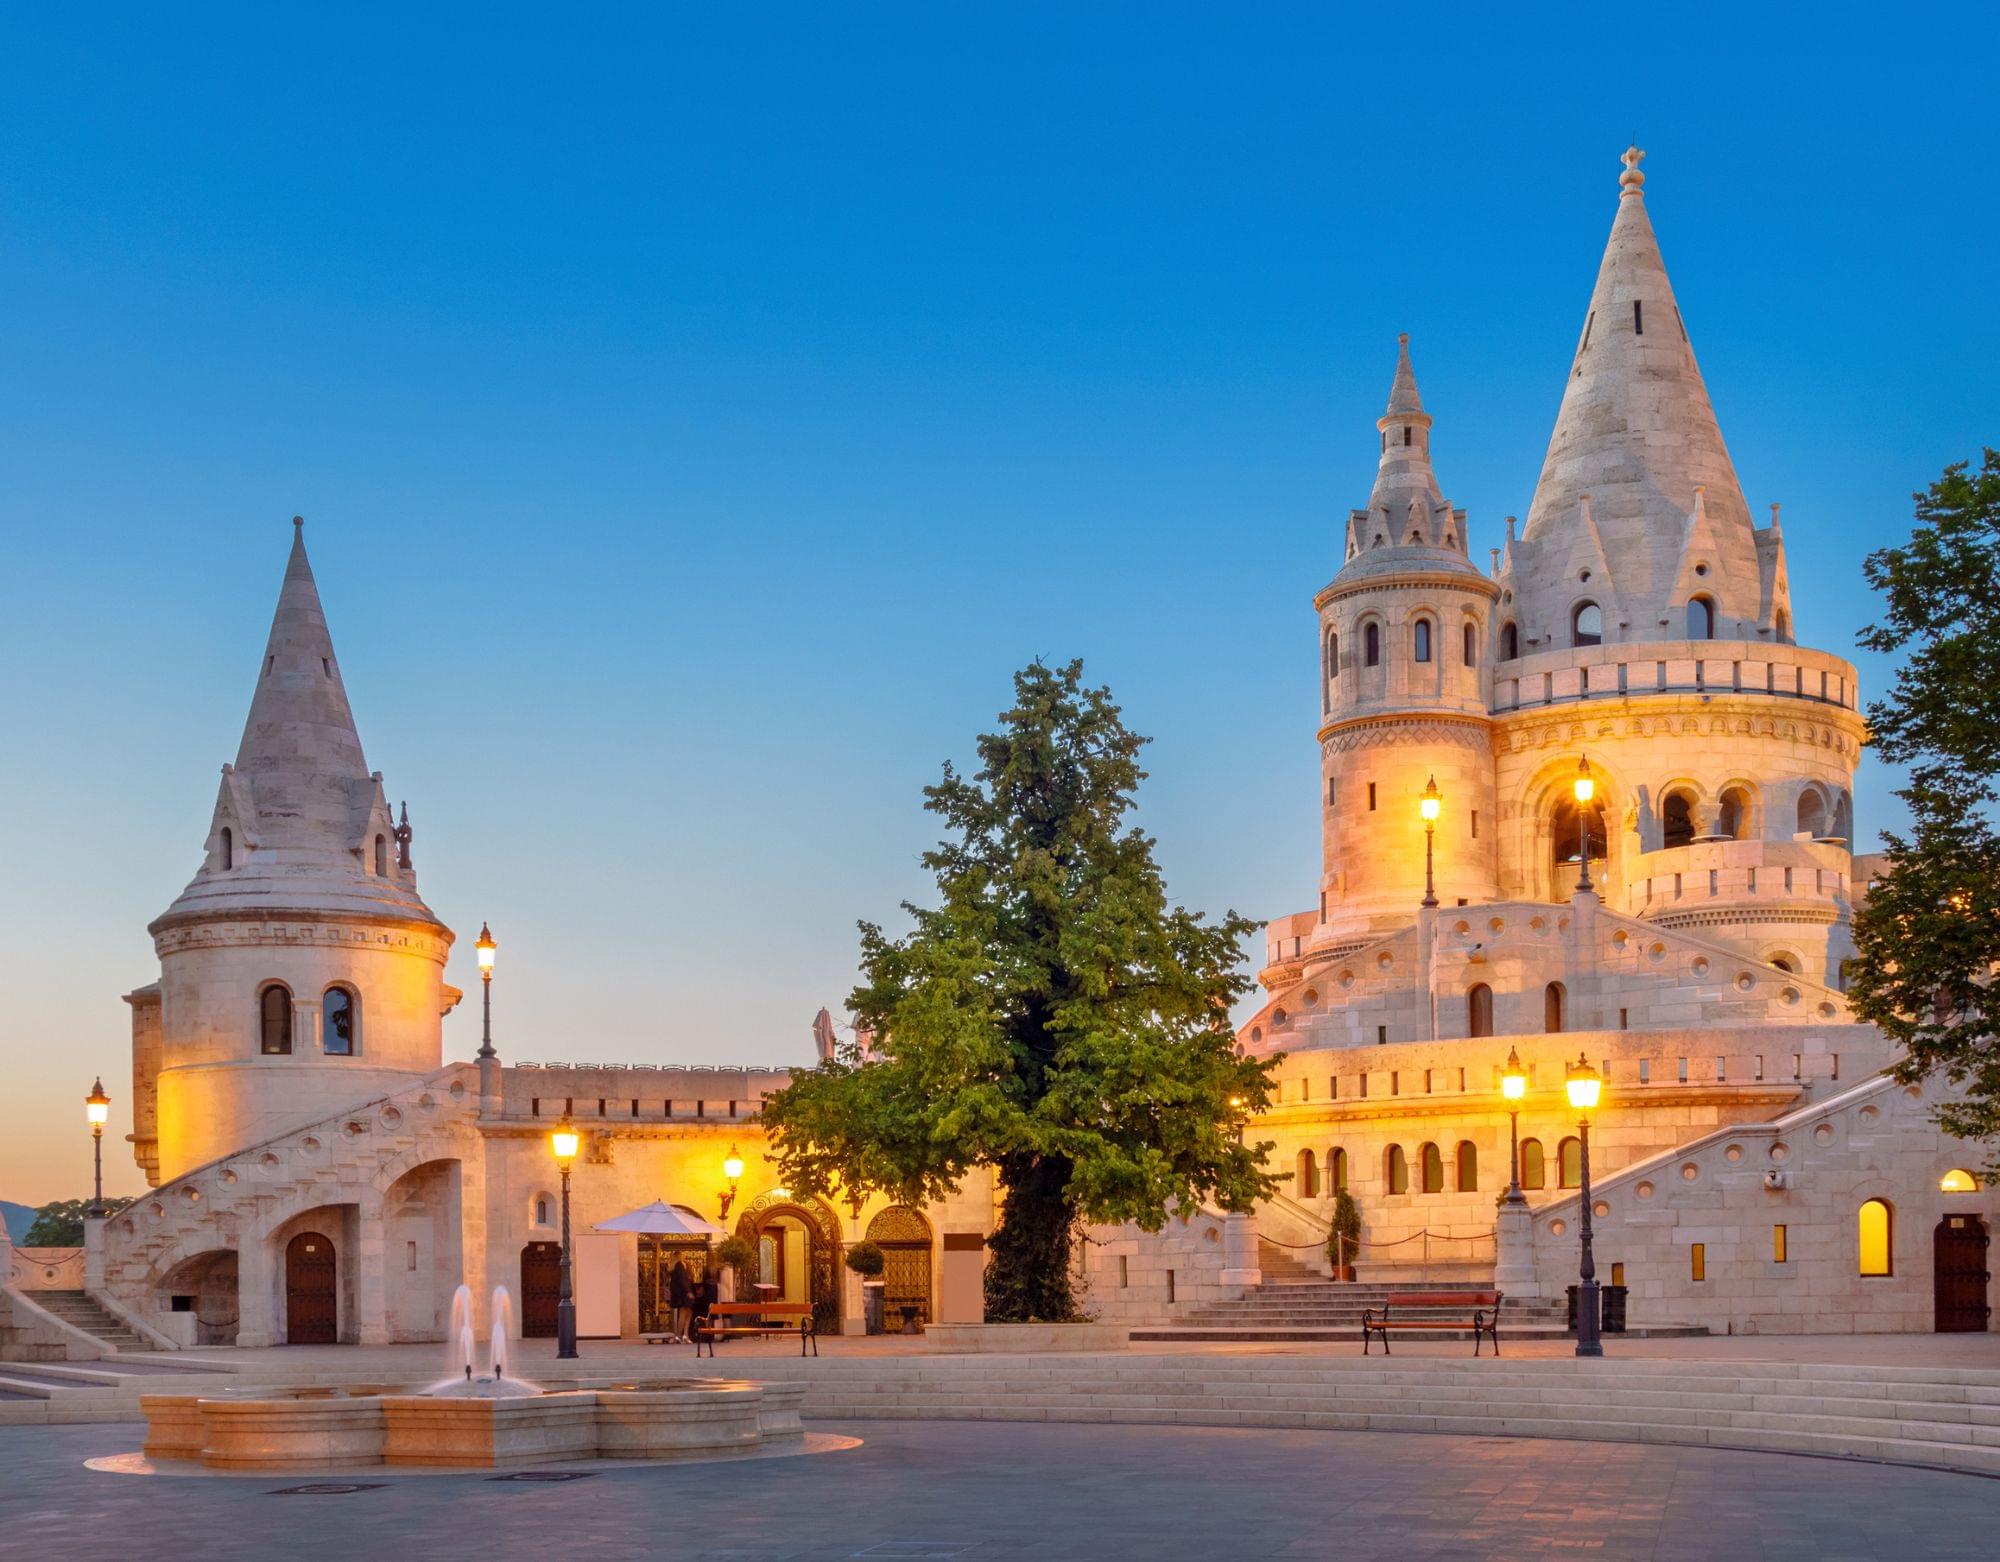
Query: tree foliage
point(1928, 938)
point(60, 1223)
point(1052, 1017)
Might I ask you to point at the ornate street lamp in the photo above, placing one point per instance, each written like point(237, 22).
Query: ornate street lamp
point(1514, 1088)
point(1430, 806)
point(1586, 788)
point(97, 1108)
point(1585, 1085)
point(485, 947)
point(732, 1169)
point(564, 1142)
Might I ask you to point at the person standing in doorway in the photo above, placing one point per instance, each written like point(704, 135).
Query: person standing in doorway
point(680, 1296)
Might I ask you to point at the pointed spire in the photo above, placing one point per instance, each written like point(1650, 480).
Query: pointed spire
point(1637, 430)
point(1403, 395)
point(299, 719)
point(1404, 473)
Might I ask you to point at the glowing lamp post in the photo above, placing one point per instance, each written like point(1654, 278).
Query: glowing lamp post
point(97, 1109)
point(732, 1171)
point(1430, 806)
point(1586, 788)
point(1584, 1085)
point(564, 1142)
point(485, 946)
point(1514, 1089)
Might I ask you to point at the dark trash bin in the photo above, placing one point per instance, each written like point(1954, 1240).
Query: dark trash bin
point(1614, 1309)
point(1603, 1308)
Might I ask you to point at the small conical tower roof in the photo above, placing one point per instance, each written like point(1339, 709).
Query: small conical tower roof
point(1635, 441)
point(1408, 524)
point(301, 825)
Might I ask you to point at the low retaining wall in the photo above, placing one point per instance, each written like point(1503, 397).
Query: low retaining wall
point(980, 1339)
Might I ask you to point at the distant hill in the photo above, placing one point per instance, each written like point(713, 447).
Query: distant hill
point(19, 1218)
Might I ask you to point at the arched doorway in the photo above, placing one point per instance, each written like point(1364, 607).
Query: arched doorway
point(541, 1289)
point(1958, 1258)
point(797, 1242)
point(904, 1237)
point(312, 1307)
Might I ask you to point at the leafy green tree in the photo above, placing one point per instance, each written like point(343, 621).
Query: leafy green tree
point(1928, 940)
point(1052, 1018)
point(60, 1224)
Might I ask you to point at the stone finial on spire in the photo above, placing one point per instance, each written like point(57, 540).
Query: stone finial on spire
point(1632, 182)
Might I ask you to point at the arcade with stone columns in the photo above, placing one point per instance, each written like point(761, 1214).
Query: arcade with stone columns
point(321, 1173)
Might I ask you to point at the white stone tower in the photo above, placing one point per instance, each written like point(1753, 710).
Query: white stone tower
point(1404, 632)
point(300, 971)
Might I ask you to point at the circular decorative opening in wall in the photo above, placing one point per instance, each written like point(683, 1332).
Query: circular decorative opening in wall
point(457, 1089)
point(1869, 1114)
point(1823, 1134)
point(269, 1161)
point(1583, 574)
point(1278, 1016)
point(1789, 997)
point(1745, 981)
point(191, 1194)
point(1463, 927)
point(427, 1102)
point(1700, 966)
point(1644, 1190)
point(1689, 1171)
point(1621, 938)
point(1506, 596)
point(1781, 1151)
point(1211, 1235)
point(129, 1228)
point(1826, 1011)
point(1384, 960)
point(1558, 1227)
point(310, 1146)
point(1256, 1033)
point(1497, 924)
point(1600, 1209)
point(1312, 995)
point(1346, 978)
point(1914, 1092)
point(1657, 953)
point(1562, 923)
point(1539, 924)
point(229, 1177)
point(391, 1117)
point(156, 1209)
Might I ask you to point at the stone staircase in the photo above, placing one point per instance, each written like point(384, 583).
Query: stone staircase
point(80, 1311)
point(1310, 1309)
point(1945, 1417)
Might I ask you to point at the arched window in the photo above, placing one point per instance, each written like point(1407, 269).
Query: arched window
point(1676, 820)
point(1701, 618)
point(228, 847)
point(1784, 622)
point(1554, 1001)
point(274, 1019)
point(1812, 813)
point(1332, 656)
point(1876, 1227)
point(1433, 1161)
point(1421, 640)
point(1479, 1010)
point(1733, 819)
point(1396, 1169)
point(1534, 1174)
point(381, 856)
point(1510, 642)
point(542, 1209)
point(1958, 1181)
point(1843, 815)
point(1336, 1170)
point(1566, 835)
point(1569, 1163)
point(341, 1025)
point(1586, 625)
point(1468, 1166)
point(1371, 645)
point(1307, 1177)
point(1786, 963)
point(1471, 645)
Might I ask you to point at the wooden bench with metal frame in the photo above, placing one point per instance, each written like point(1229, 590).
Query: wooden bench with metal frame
point(1376, 1322)
point(794, 1318)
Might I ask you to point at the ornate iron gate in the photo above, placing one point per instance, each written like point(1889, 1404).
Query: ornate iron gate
point(904, 1237)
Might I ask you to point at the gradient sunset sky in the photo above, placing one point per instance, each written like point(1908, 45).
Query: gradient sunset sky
point(699, 412)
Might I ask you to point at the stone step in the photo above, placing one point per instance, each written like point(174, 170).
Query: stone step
point(1276, 1334)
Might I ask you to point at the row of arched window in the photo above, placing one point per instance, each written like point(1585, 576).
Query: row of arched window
point(227, 851)
point(340, 1020)
point(1423, 636)
point(1309, 1182)
point(1586, 626)
point(1479, 1008)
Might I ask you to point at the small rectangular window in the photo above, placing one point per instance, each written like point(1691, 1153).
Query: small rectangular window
point(600, 1106)
point(1617, 1274)
point(1475, 824)
point(1698, 1261)
point(1124, 1271)
point(1638, 318)
point(1778, 1245)
point(1645, 1071)
point(1333, 1087)
point(1624, 1023)
point(1381, 1035)
point(1759, 1067)
point(1363, 1092)
point(1798, 1066)
point(1170, 1285)
point(1305, 1090)
point(635, 1106)
point(1681, 1070)
point(1788, 881)
point(1395, 1082)
point(1714, 880)
point(1329, 791)
point(412, 1263)
point(535, 1106)
point(1753, 881)
point(1371, 797)
point(1836, 1064)
point(1677, 886)
point(1721, 1070)
point(1427, 1081)
point(1461, 1079)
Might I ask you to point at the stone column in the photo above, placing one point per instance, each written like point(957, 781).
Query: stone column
point(256, 1293)
point(491, 1102)
point(371, 1296)
point(1239, 1251)
point(852, 1319)
point(1514, 1251)
point(93, 1254)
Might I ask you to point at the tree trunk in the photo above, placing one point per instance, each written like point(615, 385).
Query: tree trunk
point(1027, 1267)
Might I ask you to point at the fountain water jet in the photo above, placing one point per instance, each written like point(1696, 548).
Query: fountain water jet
point(464, 1383)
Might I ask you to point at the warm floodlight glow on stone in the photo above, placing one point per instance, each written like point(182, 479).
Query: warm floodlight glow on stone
point(1514, 1081)
point(1584, 1085)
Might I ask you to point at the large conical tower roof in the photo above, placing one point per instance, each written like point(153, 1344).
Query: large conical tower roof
point(301, 826)
point(1636, 472)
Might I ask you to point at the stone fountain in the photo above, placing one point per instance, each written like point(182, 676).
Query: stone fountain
point(471, 1420)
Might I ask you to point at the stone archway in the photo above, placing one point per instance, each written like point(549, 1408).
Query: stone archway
point(312, 1290)
point(904, 1237)
point(821, 1229)
point(204, 1286)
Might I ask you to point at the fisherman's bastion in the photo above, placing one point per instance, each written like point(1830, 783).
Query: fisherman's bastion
point(320, 1172)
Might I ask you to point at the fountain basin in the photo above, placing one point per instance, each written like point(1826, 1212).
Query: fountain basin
point(366, 1424)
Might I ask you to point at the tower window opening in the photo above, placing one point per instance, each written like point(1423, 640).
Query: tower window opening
point(1569, 1164)
point(1676, 820)
point(1510, 642)
point(1534, 1167)
point(1467, 1161)
point(1471, 652)
point(274, 1014)
point(1733, 819)
point(326, 666)
point(1589, 321)
point(1433, 1165)
point(1371, 645)
point(1475, 824)
point(1406, 436)
point(340, 1031)
point(1554, 997)
point(1812, 813)
point(1332, 657)
point(1422, 635)
point(381, 856)
point(1875, 1228)
point(1371, 797)
point(1586, 625)
point(1701, 618)
point(1479, 1010)
point(1638, 318)
point(228, 847)
point(1396, 1169)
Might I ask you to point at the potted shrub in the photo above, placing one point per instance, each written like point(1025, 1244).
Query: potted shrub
point(866, 1260)
point(1343, 1243)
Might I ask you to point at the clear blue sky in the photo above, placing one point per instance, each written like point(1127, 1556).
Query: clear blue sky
point(698, 412)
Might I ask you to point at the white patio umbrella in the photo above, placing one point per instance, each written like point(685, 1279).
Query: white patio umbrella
point(661, 1219)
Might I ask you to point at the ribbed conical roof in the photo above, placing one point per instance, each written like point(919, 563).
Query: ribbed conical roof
point(1407, 525)
point(1637, 436)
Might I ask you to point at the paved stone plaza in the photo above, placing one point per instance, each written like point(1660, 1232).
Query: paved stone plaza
point(930, 1489)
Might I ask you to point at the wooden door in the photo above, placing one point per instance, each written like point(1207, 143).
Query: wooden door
point(541, 1289)
point(312, 1307)
point(1958, 1257)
